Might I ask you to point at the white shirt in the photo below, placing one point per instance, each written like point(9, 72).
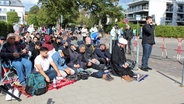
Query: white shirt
point(84, 31)
point(44, 62)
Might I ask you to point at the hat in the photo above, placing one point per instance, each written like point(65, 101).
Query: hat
point(2, 38)
point(122, 41)
point(10, 35)
point(74, 42)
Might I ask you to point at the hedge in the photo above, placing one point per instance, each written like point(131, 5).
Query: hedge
point(161, 31)
point(5, 28)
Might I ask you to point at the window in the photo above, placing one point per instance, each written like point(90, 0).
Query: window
point(3, 18)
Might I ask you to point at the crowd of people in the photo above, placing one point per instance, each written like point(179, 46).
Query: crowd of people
point(61, 54)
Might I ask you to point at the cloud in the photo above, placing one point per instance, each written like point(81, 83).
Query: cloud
point(29, 3)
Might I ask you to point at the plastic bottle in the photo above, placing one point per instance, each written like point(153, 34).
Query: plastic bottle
point(54, 83)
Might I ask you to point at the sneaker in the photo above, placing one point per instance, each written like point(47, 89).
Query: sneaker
point(16, 93)
point(107, 77)
point(8, 97)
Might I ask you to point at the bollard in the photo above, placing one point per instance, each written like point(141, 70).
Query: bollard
point(110, 50)
point(182, 81)
point(137, 56)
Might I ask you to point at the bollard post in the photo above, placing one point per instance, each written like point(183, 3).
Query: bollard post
point(182, 81)
point(110, 47)
point(137, 56)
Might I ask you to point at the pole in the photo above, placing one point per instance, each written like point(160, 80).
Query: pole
point(182, 81)
point(137, 51)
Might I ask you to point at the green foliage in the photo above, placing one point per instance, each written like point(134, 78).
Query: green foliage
point(161, 31)
point(12, 17)
point(170, 31)
point(32, 19)
point(5, 28)
point(97, 9)
point(34, 10)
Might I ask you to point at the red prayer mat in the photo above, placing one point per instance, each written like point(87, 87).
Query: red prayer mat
point(59, 84)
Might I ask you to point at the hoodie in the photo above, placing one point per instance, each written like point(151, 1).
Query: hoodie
point(47, 43)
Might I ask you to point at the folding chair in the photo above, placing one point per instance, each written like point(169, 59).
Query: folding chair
point(8, 74)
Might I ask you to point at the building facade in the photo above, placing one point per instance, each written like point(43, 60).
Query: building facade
point(12, 5)
point(164, 12)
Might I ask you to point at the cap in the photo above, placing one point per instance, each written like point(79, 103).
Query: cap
point(122, 41)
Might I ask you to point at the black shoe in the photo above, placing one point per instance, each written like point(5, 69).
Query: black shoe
point(149, 68)
point(144, 69)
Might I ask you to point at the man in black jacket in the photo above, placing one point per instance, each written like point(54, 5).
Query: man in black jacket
point(128, 36)
point(147, 42)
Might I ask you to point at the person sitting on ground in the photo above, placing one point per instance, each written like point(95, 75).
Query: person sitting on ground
point(48, 44)
point(43, 63)
point(103, 54)
point(120, 68)
point(86, 62)
point(59, 60)
point(57, 43)
point(35, 51)
point(15, 52)
point(74, 63)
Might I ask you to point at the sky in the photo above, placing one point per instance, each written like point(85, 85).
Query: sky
point(29, 3)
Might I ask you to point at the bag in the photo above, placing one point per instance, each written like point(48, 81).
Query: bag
point(83, 75)
point(35, 84)
point(74, 77)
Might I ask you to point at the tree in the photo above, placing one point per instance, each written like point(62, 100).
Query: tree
point(12, 17)
point(34, 10)
point(32, 19)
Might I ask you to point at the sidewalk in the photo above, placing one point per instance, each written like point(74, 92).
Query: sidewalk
point(155, 89)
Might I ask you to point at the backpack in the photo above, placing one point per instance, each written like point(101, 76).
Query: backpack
point(35, 84)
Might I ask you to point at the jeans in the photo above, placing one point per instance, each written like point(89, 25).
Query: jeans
point(51, 73)
point(22, 66)
point(147, 48)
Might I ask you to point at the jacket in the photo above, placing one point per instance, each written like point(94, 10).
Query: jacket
point(148, 34)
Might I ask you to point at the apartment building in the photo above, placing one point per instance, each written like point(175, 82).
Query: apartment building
point(12, 5)
point(164, 12)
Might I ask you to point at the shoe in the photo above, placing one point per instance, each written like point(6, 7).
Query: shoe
point(149, 68)
point(107, 77)
point(110, 77)
point(16, 93)
point(8, 97)
point(144, 69)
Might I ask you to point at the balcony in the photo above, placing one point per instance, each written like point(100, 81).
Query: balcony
point(168, 19)
point(135, 10)
point(143, 18)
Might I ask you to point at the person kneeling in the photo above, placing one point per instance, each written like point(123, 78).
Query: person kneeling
point(59, 60)
point(46, 66)
point(120, 68)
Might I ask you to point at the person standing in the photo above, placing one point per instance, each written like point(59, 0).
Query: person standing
point(84, 32)
point(128, 36)
point(147, 42)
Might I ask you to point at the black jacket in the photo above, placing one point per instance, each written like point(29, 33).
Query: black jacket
point(148, 34)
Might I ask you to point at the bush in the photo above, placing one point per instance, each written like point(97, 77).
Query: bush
point(5, 28)
point(161, 31)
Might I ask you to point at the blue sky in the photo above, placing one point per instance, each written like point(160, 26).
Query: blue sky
point(29, 3)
